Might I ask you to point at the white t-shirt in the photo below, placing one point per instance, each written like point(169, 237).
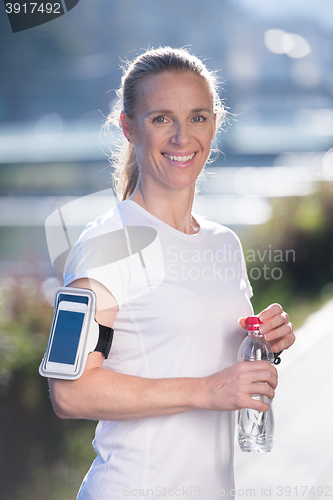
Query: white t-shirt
point(180, 297)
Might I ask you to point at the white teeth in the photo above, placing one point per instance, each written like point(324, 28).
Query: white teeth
point(181, 159)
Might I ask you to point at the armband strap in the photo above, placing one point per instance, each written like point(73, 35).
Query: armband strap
point(104, 340)
point(277, 359)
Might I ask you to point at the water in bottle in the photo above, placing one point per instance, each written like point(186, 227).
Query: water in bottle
point(255, 428)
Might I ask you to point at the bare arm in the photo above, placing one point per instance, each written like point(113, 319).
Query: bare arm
point(101, 394)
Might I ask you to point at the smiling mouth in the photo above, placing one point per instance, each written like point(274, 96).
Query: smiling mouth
point(180, 159)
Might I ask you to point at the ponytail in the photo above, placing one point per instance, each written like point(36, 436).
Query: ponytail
point(126, 176)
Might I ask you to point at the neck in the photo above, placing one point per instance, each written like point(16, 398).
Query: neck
point(170, 206)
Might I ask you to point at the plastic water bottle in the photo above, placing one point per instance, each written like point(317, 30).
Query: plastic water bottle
point(255, 428)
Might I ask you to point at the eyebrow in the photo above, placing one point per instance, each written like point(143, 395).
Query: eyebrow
point(168, 111)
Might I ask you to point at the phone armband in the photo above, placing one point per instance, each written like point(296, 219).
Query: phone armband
point(74, 334)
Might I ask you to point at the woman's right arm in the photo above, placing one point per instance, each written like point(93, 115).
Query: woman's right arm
point(101, 394)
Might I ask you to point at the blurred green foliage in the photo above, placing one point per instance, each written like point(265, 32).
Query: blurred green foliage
point(41, 456)
point(298, 241)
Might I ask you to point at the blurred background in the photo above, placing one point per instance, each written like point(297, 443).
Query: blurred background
point(272, 183)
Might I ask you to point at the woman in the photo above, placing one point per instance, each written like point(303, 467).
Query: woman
point(166, 394)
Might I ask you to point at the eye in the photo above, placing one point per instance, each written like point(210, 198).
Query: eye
point(159, 119)
point(199, 119)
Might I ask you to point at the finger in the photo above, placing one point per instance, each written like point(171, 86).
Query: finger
point(257, 405)
point(283, 343)
point(274, 312)
point(263, 389)
point(242, 323)
point(277, 328)
point(265, 377)
point(273, 323)
point(258, 371)
point(270, 312)
point(259, 366)
point(277, 331)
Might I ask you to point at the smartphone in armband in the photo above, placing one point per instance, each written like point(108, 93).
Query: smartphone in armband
point(74, 333)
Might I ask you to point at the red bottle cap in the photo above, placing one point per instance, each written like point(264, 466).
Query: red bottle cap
point(253, 323)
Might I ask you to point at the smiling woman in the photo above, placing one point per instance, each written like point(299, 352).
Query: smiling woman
point(166, 392)
point(171, 63)
point(171, 132)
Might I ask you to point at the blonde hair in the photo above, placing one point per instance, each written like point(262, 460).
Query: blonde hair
point(151, 62)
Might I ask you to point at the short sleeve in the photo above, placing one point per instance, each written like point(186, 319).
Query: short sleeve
point(248, 287)
point(245, 282)
point(101, 253)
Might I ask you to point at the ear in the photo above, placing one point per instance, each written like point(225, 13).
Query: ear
point(126, 126)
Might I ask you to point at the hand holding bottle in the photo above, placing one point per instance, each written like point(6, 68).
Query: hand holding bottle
point(232, 388)
point(276, 327)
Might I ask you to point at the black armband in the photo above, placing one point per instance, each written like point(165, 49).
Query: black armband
point(277, 359)
point(104, 340)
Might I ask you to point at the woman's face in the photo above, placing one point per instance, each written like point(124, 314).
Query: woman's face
point(172, 129)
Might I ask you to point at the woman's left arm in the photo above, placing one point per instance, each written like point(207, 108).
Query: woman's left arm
point(276, 327)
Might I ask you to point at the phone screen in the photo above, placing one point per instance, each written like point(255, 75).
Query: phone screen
point(66, 337)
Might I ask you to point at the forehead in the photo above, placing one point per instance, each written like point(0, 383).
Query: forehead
point(174, 88)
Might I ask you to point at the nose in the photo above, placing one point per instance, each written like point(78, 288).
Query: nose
point(181, 134)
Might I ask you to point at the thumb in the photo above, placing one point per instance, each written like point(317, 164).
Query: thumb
point(242, 323)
